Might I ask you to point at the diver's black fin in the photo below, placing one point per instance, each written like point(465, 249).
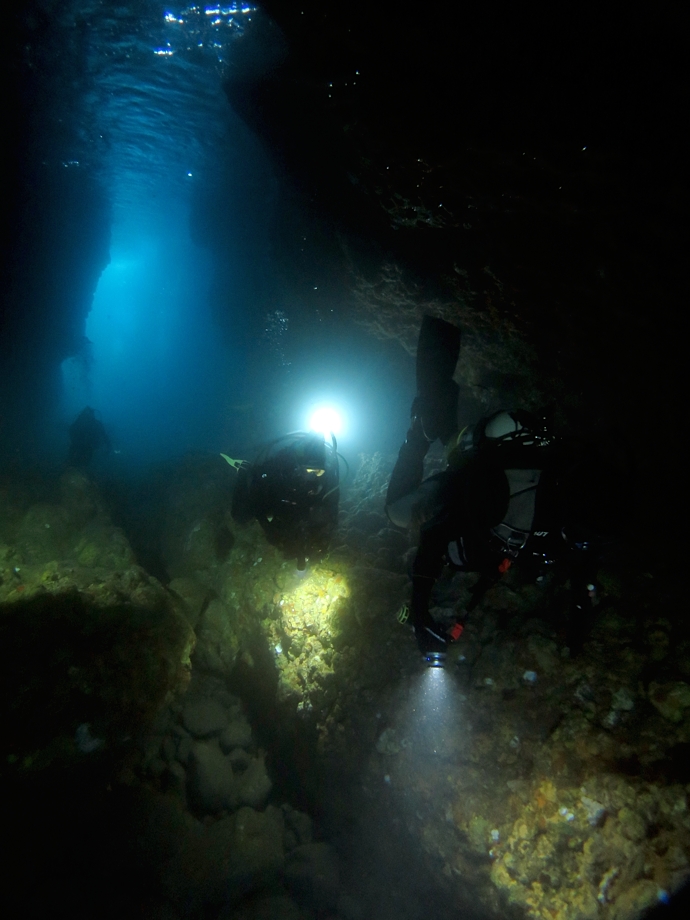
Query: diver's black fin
point(438, 350)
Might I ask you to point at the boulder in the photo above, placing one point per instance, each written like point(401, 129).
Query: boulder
point(203, 717)
point(238, 734)
point(671, 699)
point(313, 876)
point(247, 849)
point(184, 749)
point(217, 640)
point(240, 760)
point(194, 596)
point(43, 534)
point(299, 823)
point(80, 497)
point(211, 786)
point(207, 869)
point(175, 781)
point(254, 785)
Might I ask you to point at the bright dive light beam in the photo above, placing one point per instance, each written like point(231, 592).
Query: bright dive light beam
point(326, 420)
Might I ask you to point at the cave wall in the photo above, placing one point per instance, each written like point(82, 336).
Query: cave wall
point(527, 168)
point(55, 223)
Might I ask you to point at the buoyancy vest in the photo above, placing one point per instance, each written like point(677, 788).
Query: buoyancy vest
point(516, 444)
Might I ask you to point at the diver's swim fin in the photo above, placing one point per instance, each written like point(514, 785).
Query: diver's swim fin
point(438, 350)
point(235, 464)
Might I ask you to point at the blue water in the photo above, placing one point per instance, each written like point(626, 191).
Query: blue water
point(190, 338)
point(161, 371)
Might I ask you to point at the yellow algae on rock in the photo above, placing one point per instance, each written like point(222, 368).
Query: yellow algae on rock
point(307, 619)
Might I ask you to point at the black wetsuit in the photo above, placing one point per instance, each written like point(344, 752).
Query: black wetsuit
point(467, 515)
point(293, 493)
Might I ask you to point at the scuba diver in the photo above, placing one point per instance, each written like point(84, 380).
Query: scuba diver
point(86, 436)
point(292, 489)
point(510, 492)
